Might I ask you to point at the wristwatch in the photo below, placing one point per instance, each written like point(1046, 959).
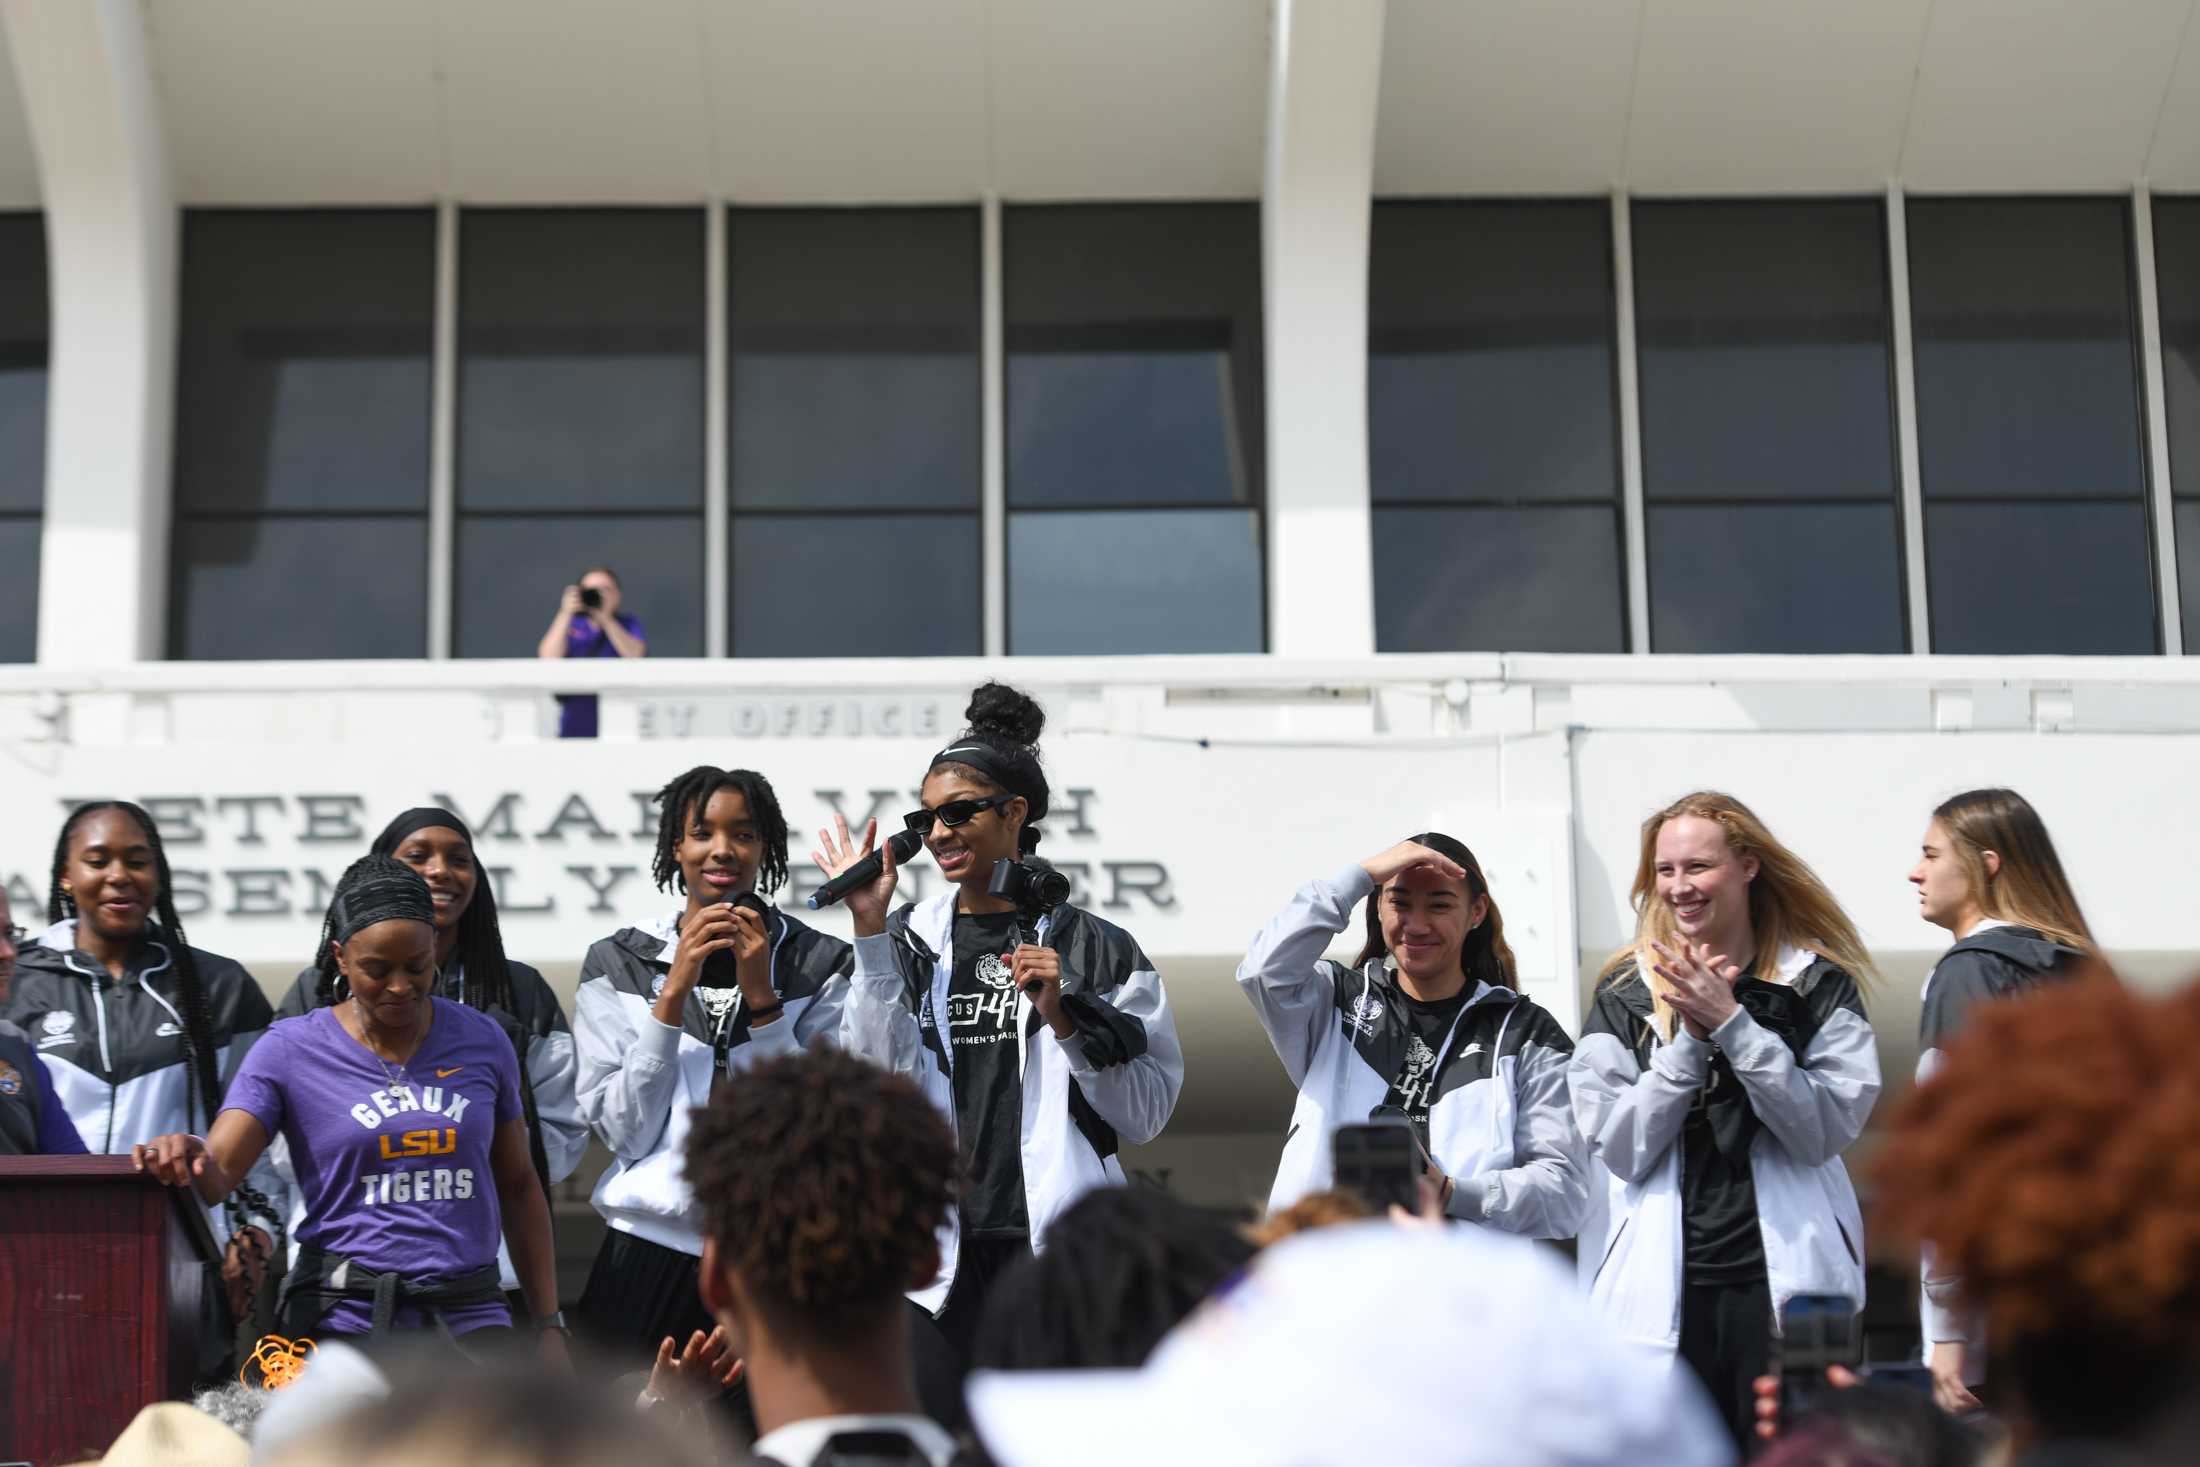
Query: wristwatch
point(554, 1321)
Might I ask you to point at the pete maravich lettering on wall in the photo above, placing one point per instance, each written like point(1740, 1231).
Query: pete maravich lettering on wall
point(548, 853)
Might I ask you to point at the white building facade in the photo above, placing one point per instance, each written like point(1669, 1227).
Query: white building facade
point(1350, 418)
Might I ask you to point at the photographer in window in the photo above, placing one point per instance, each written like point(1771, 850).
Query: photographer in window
point(589, 623)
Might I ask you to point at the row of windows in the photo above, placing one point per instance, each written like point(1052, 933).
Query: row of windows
point(855, 428)
point(1771, 483)
point(1132, 427)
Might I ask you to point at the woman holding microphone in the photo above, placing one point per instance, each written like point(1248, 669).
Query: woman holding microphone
point(1725, 1066)
point(1046, 1054)
point(1428, 1021)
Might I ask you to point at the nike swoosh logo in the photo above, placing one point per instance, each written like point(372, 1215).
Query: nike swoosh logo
point(446, 1074)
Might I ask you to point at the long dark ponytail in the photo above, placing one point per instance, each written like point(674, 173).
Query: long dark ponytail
point(1486, 955)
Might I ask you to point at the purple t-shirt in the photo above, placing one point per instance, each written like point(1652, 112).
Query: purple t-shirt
point(577, 714)
point(396, 1176)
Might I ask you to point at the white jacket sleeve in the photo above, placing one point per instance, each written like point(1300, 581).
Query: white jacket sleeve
point(629, 1070)
point(1283, 973)
point(1814, 1108)
point(1630, 1116)
point(875, 1021)
point(1137, 1097)
point(807, 1024)
point(553, 1071)
point(1547, 1192)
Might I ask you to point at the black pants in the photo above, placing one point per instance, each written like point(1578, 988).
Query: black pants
point(978, 1263)
point(638, 1292)
point(1726, 1338)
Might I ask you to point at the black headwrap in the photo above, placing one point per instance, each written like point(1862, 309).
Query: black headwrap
point(419, 817)
point(378, 889)
point(1010, 766)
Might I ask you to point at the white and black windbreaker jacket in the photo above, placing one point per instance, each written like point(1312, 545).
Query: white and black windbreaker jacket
point(549, 1065)
point(1803, 1051)
point(1500, 1123)
point(115, 1046)
point(1115, 1079)
point(1992, 962)
point(639, 1077)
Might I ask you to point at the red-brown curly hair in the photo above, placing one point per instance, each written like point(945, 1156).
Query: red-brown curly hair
point(2054, 1162)
point(823, 1179)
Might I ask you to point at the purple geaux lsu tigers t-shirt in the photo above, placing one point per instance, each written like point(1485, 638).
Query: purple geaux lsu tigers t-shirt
point(394, 1175)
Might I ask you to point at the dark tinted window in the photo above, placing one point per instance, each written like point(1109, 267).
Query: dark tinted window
point(1769, 474)
point(1167, 580)
point(580, 420)
point(1134, 411)
point(2177, 275)
point(1492, 452)
point(2028, 426)
point(301, 586)
point(512, 569)
point(872, 585)
point(22, 429)
point(855, 432)
point(302, 433)
point(580, 359)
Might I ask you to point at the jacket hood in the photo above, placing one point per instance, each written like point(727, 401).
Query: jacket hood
point(2020, 945)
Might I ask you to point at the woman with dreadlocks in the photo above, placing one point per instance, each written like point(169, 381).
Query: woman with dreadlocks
point(472, 969)
point(402, 1115)
point(659, 1023)
point(138, 1028)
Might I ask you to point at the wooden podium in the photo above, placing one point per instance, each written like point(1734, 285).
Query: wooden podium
point(103, 1279)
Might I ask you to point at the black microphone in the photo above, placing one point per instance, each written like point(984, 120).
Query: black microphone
point(905, 843)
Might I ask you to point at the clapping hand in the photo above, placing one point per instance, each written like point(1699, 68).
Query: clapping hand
point(1699, 984)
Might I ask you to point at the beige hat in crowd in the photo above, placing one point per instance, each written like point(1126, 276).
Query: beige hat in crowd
point(171, 1434)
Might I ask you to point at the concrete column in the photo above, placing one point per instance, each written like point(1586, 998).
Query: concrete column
point(111, 237)
point(1324, 83)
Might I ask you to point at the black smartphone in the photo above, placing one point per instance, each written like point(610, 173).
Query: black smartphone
point(1377, 1161)
point(591, 598)
point(1816, 1331)
point(721, 969)
point(1909, 1375)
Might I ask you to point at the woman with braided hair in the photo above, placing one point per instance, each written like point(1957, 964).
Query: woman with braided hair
point(659, 1024)
point(402, 1115)
point(139, 1029)
point(472, 969)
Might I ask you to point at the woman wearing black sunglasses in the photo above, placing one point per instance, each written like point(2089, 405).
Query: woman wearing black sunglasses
point(957, 994)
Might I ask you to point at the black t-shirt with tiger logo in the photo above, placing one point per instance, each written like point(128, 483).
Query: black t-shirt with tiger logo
point(989, 1085)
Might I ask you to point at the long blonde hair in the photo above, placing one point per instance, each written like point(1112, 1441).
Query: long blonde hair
point(1788, 905)
point(2030, 890)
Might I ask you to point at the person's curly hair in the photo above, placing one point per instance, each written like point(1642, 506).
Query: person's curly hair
point(1325, 1209)
point(823, 1179)
point(2054, 1162)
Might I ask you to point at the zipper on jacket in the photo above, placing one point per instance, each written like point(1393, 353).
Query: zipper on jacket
point(106, 1062)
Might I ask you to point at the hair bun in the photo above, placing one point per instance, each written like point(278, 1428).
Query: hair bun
point(1003, 712)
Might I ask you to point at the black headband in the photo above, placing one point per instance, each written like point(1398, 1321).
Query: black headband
point(419, 817)
point(379, 895)
point(1013, 769)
